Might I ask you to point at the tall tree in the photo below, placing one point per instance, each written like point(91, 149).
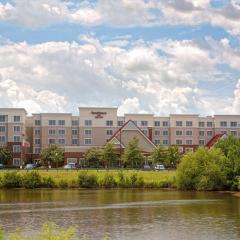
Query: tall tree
point(5, 155)
point(93, 156)
point(159, 155)
point(172, 156)
point(108, 155)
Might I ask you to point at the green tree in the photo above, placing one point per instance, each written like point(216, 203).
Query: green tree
point(5, 155)
point(159, 155)
point(172, 156)
point(53, 154)
point(93, 156)
point(108, 155)
point(132, 154)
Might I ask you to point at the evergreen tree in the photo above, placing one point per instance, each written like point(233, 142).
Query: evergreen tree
point(108, 155)
point(5, 155)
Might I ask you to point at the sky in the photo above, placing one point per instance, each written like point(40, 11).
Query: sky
point(142, 56)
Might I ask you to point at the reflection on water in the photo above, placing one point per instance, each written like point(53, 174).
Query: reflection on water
point(124, 214)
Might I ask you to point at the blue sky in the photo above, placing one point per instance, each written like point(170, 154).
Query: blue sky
point(157, 56)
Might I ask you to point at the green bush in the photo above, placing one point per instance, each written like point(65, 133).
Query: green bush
point(63, 183)
point(135, 181)
point(31, 179)
point(11, 180)
point(86, 180)
point(108, 181)
point(122, 179)
point(48, 182)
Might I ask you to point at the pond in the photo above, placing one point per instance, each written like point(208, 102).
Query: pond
point(124, 213)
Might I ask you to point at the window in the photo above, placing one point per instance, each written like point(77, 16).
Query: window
point(201, 124)
point(157, 141)
point(109, 132)
point(135, 122)
point(16, 162)
point(88, 132)
point(201, 133)
point(16, 139)
point(224, 132)
point(189, 123)
point(2, 118)
point(37, 131)
point(145, 132)
point(165, 132)
point(74, 131)
point(61, 122)
point(157, 133)
point(51, 132)
point(179, 133)
point(61, 131)
point(233, 124)
point(17, 129)
point(16, 118)
point(74, 122)
point(165, 123)
point(2, 129)
point(189, 142)
point(2, 139)
point(209, 133)
point(109, 123)
point(74, 141)
point(36, 150)
point(16, 148)
point(179, 123)
point(61, 141)
point(120, 123)
point(87, 141)
point(52, 122)
point(37, 122)
point(189, 133)
point(37, 141)
point(178, 141)
point(233, 133)
point(209, 124)
point(223, 123)
point(165, 142)
point(51, 141)
point(201, 142)
point(157, 123)
point(88, 122)
point(144, 123)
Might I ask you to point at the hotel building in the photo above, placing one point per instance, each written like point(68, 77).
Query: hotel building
point(26, 136)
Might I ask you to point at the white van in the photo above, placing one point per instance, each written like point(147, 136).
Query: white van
point(159, 167)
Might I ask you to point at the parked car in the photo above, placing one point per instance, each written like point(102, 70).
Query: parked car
point(146, 167)
point(69, 166)
point(30, 166)
point(1, 166)
point(159, 167)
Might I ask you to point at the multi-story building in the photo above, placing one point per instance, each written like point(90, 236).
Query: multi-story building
point(94, 127)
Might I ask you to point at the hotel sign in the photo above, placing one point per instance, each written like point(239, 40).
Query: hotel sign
point(99, 114)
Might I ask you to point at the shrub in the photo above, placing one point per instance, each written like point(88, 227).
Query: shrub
point(63, 183)
point(11, 180)
point(86, 180)
point(122, 179)
point(48, 182)
point(31, 179)
point(109, 181)
point(136, 181)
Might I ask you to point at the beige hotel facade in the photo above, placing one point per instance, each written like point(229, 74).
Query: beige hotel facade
point(26, 135)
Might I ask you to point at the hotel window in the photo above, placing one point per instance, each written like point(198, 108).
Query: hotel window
point(156, 133)
point(16, 139)
point(165, 123)
point(179, 133)
point(157, 123)
point(178, 141)
point(209, 133)
point(74, 122)
point(37, 141)
point(37, 131)
point(165, 142)
point(157, 141)
point(120, 123)
point(37, 122)
point(189, 142)
point(189, 133)
point(61, 141)
point(201, 124)
point(179, 123)
point(224, 132)
point(233, 133)
point(165, 133)
point(74, 131)
point(209, 124)
point(61, 122)
point(233, 124)
point(17, 129)
point(2, 129)
point(88, 132)
point(16, 162)
point(16, 148)
point(51, 141)
point(189, 123)
point(51, 132)
point(145, 132)
point(61, 131)
point(2, 139)
point(109, 123)
point(16, 118)
point(36, 150)
point(2, 118)
point(201, 142)
point(223, 124)
point(201, 133)
point(87, 141)
point(88, 122)
point(74, 141)
point(109, 132)
point(52, 122)
point(144, 123)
